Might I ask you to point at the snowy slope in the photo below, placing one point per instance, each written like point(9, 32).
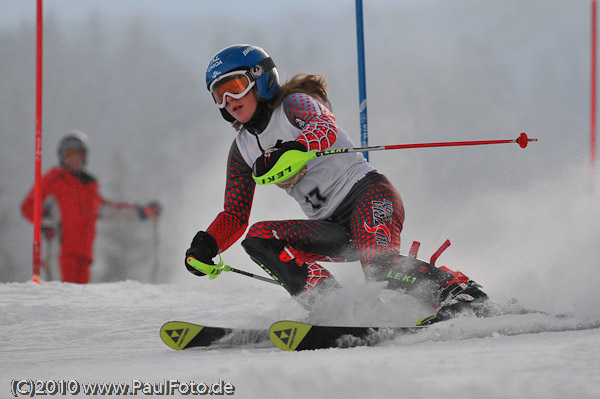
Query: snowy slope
point(109, 333)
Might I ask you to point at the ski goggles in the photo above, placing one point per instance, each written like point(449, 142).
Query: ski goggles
point(74, 152)
point(235, 84)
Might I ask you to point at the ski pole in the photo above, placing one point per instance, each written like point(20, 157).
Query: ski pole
point(155, 243)
point(213, 271)
point(291, 162)
point(47, 257)
point(245, 273)
point(522, 140)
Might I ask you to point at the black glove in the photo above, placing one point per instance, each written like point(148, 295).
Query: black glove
point(265, 162)
point(204, 248)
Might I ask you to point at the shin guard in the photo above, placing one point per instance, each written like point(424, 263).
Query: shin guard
point(266, 253)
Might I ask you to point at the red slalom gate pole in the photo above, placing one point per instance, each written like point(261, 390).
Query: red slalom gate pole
point(37, 198)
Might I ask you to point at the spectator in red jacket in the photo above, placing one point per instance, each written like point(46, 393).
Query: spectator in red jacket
point(71, 204)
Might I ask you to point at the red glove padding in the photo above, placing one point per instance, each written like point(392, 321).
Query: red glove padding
point(48, 232)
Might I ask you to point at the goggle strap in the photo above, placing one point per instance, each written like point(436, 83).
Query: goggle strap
point(260, 69)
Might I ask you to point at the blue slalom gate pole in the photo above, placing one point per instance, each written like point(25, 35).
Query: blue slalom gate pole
point(362, 89)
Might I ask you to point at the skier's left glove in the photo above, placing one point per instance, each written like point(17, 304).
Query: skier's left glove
point(265, 162)
point(48, 232)
point(204, 248)
point(48, 227)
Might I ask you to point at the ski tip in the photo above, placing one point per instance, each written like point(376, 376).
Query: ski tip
point(426, 321)
point(177, 334)
point(288, 335)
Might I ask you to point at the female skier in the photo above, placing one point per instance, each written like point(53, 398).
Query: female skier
point(353, 211)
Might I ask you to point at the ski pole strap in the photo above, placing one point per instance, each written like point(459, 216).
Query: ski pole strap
point(212, 271)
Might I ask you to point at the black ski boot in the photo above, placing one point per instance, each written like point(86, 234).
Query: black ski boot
point(450, 292)
point(461, 298)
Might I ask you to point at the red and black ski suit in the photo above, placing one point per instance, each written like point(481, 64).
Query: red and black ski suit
point(354, 212)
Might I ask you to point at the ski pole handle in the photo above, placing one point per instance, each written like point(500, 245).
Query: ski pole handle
point(213, 271)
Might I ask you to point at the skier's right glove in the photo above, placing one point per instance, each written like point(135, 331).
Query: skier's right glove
point(204, 248)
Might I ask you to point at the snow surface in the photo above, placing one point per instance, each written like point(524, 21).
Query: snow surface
point(110, 333)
